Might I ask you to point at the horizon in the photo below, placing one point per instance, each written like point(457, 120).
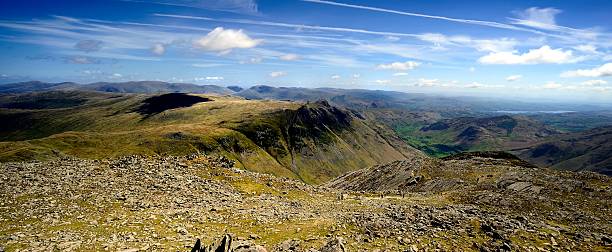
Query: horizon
point(525, 50)
point(601, 105)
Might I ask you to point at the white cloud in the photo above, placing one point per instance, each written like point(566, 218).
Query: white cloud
point(472, 69)
point(480, 85)
point(206, 65)
point(474, 85)
point(158, 49)
point(593, 83)
point(382, 81)
point(552, 85)
point(356, 76)
point(277, 74)
point(209, 78)
point(494, 45)
point(422, 82)
point(541, 55)
point(399, 66)
point(514, 77)
point(542, 18)
point(335, 77)
point(91, 72)
point(81, 60)
point(400, 74)
point(289, 57)
point(254, 60)
point(604, 70)
point(392, 38)
point(587, 49)
point(224, 40)
point(116, 76)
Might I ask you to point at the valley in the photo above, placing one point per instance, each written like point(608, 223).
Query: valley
point(357, 170)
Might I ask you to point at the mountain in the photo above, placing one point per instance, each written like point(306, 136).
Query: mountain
point(588, 150)
point(575, 121)
point(116, 87)
point(362, 99)
point(454, 135)
point(311, 141)
point(34, 86)
point(154, 87)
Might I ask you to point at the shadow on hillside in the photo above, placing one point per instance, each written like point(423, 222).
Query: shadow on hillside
point(157, 104)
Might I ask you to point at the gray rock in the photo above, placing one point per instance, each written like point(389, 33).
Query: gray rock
point(334, 245)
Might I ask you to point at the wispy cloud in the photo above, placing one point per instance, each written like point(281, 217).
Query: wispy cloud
point(413, 14)
point(514, 77)
point(399, 66)
point(236, 6)
point(539, 21)
point(541, 55)
point(594, 83)
point(289, 25)
point(277, 74)
point(207, 65)
point(289, 57)
point(601, 71)
point(545, 19)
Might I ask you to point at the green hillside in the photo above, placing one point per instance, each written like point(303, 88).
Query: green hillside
point(314, 142)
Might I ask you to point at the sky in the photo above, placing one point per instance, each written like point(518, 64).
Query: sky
point(543, 50)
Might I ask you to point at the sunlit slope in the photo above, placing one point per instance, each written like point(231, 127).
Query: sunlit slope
point(314, 142)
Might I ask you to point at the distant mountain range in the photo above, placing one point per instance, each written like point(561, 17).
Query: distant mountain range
point(437, 125)
point(116, 87)
point(349, 98)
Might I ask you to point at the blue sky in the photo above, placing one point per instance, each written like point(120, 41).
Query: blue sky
point(547, 50)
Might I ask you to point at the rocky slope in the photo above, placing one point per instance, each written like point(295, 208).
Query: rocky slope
point(167, 203)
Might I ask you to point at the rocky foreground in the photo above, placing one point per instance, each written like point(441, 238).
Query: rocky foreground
point(167, 203)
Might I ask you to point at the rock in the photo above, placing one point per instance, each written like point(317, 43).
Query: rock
point(288, 245)
point(334, 245)
point(506, 247)
point(250, 248)
point(519, 186)
point(182, 230)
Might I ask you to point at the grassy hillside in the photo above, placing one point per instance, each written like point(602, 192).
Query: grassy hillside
point(588, 150)
point(450, 136)
point(313, 142)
